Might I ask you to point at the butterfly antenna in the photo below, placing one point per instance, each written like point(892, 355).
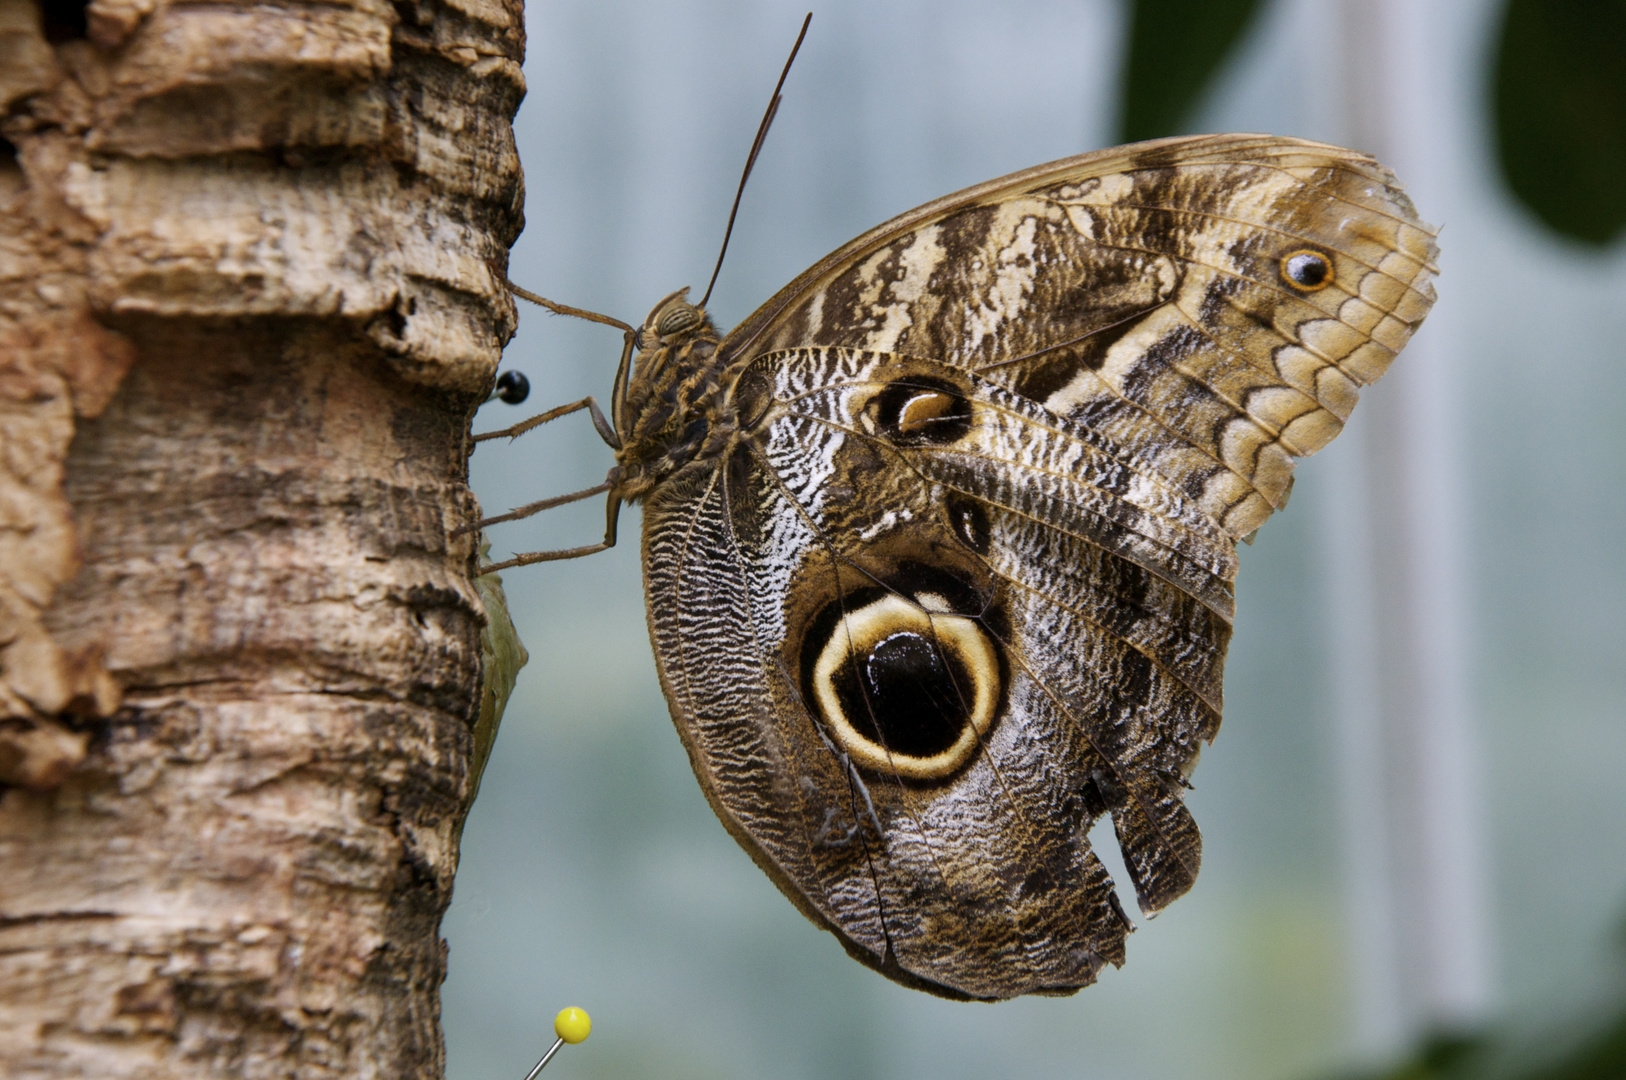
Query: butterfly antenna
point(751, 158)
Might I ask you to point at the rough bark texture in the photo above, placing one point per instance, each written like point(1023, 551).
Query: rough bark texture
point(251, 267)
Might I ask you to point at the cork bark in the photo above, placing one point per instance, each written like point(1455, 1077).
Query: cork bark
point(251, 289)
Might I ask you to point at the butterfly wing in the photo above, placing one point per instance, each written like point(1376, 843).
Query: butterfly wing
point(962, 582)
point(903, 878)
point(1146, 291)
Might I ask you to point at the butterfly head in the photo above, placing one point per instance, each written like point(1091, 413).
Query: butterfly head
point(674, 321)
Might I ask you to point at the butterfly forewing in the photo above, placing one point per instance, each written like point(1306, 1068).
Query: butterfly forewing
point(954, 577)
point(1141, 290)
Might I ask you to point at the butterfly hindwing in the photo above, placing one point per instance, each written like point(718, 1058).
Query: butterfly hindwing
point(896, 864)
point(844, 530)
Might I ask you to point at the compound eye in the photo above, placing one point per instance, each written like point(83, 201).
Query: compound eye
point(678, 318)
point(907, 688)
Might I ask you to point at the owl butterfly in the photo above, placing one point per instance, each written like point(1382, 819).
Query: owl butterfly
point(939, 543)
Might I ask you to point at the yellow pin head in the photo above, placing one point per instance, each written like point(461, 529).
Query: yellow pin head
point(572, 1025)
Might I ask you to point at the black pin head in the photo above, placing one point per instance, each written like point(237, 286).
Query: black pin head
point(512, 387)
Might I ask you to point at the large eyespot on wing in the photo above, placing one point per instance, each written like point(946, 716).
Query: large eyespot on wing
point(980, 861)
point(904, 689)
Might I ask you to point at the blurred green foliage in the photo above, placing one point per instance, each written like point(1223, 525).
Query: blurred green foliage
point(1595, 1052)
point(1587, 1045)
point(1174, 49)
point(1558, 96)
point(1559, 109)
point(502, 654)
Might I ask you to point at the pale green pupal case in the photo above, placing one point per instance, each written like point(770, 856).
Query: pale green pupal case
point(939, 543)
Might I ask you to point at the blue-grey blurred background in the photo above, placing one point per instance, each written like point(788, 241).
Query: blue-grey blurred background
point(1414, 816)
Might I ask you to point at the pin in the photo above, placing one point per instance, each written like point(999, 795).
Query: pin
point(572, 1025)
point(512, 387)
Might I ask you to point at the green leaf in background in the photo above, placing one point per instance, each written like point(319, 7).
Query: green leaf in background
point(1175, 47)
point(1560, 113)
point(502, 654)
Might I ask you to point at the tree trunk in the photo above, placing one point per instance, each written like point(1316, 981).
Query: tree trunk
point(252, 258)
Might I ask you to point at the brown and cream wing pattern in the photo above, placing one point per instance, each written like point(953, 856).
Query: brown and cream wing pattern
point(1077, 668)
point(959, 580)
point(1213, 304)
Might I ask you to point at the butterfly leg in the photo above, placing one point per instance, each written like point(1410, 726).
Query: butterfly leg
point(605, 431)
point(537, 507)
point(612, 514)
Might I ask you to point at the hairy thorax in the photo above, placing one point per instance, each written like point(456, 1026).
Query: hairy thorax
point(675, 409)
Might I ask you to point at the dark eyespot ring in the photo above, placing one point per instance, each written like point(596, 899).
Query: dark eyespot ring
point(969, 520)
point(923, 411)
point(1307, 270)
point(906, 688)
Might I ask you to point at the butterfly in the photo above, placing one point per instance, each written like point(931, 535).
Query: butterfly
point(939, 543)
